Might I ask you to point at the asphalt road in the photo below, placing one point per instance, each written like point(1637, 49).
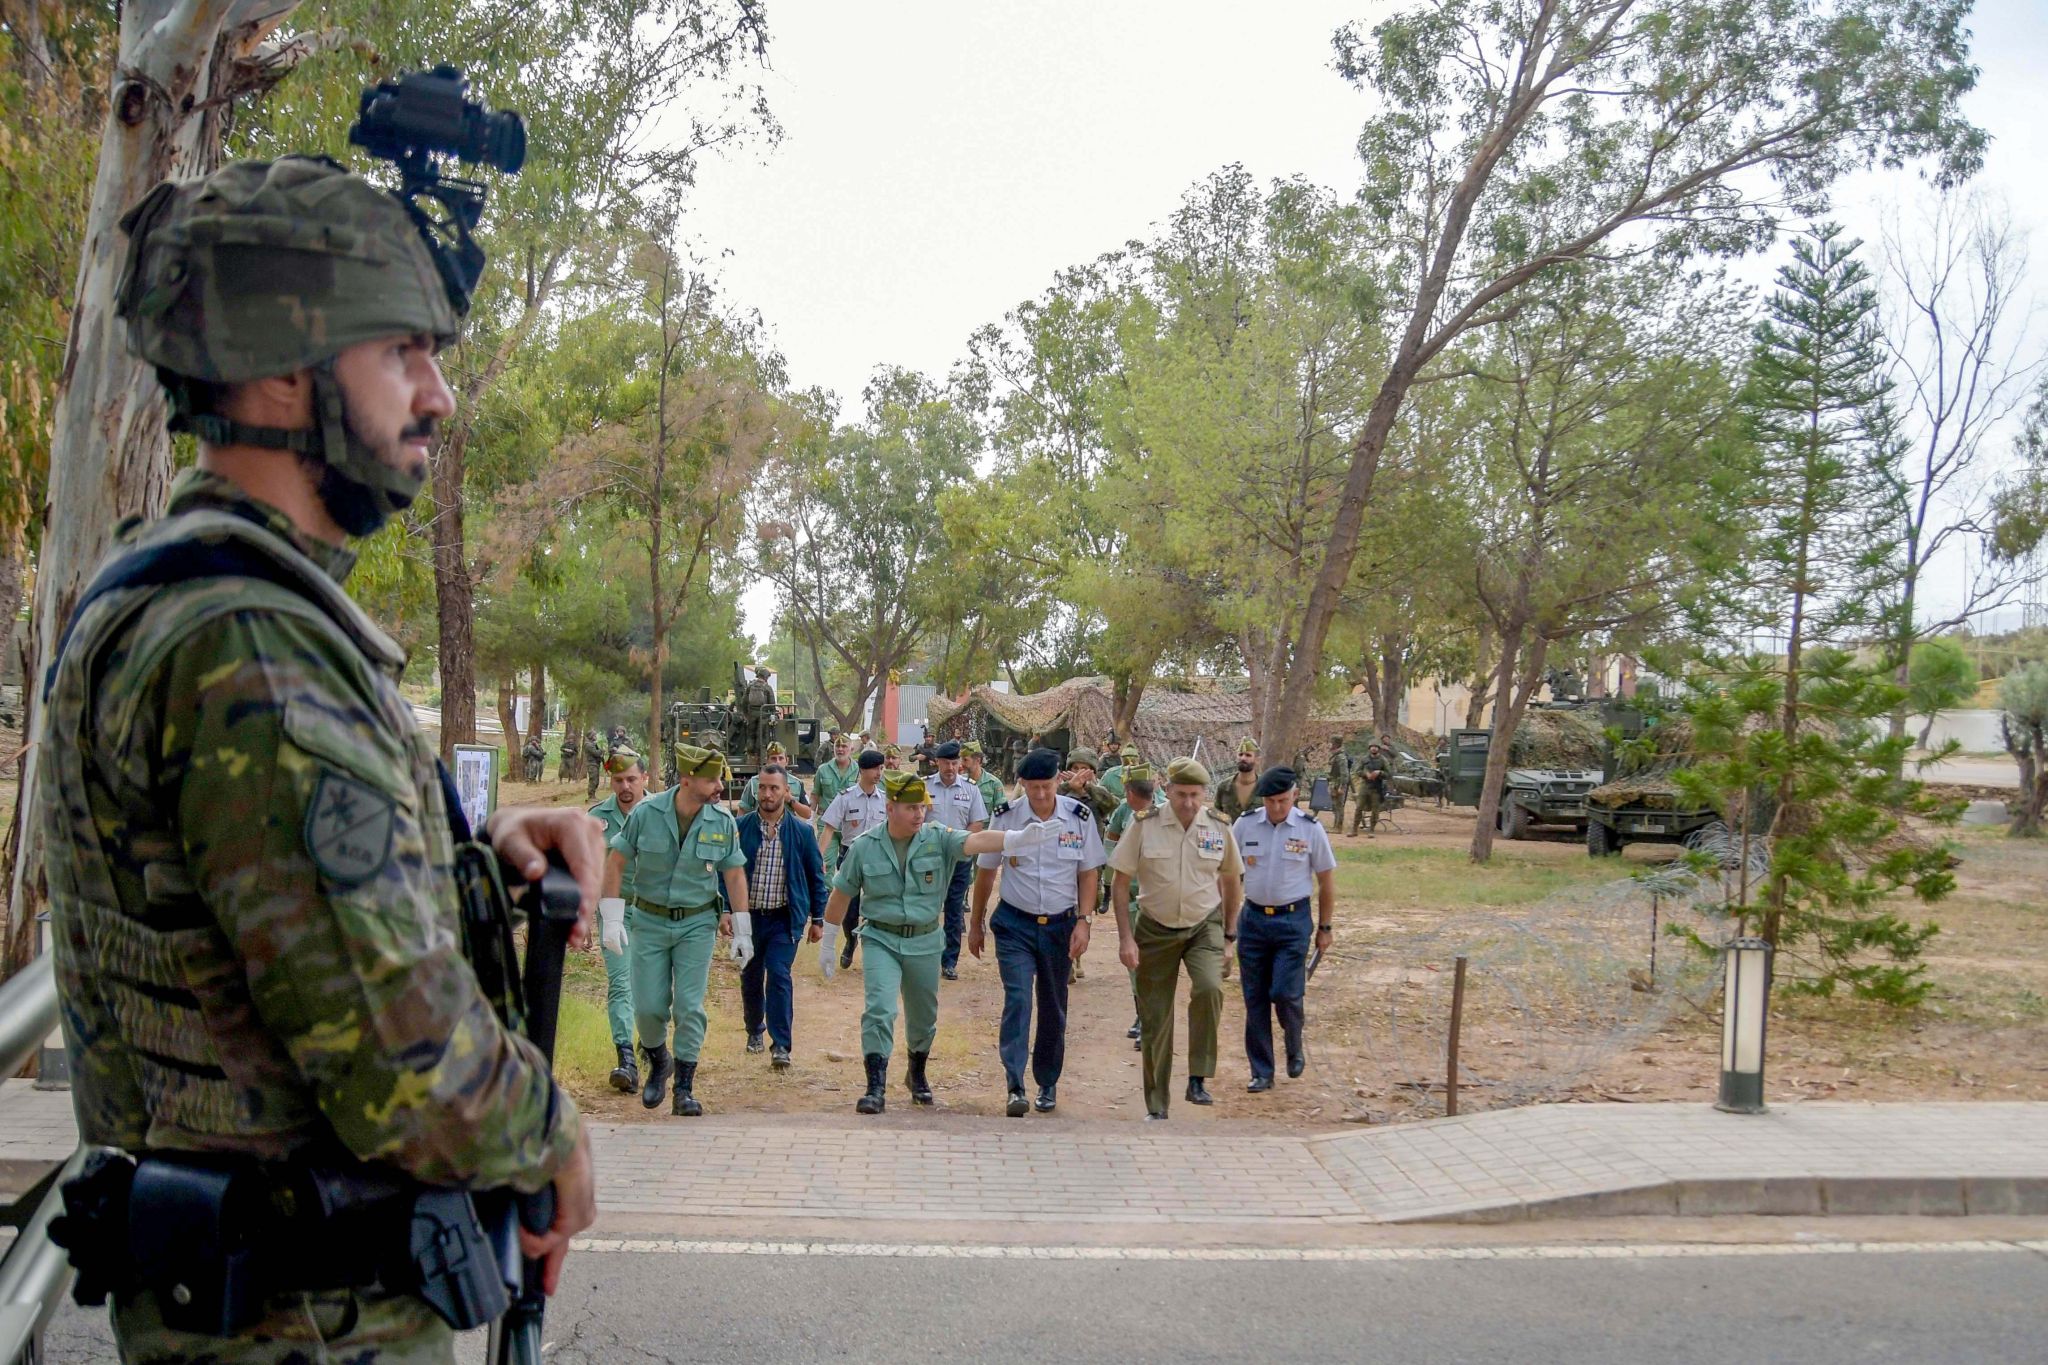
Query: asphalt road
point(1836, 1309)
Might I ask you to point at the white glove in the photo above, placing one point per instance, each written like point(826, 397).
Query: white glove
point(828, 957)
point(611, 911)
point(742, 938)
point(1031, 836)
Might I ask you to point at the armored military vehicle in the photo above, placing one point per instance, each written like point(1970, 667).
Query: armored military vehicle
point(742, 726)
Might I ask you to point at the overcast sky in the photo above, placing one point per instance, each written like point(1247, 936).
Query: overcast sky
point(942, 160)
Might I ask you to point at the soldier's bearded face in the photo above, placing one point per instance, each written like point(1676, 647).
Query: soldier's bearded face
point(395, 398)
point(629, 786)
point(770, 792)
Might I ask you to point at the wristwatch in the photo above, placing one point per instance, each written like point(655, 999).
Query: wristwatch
point(1229, 937)
point(1323, 928)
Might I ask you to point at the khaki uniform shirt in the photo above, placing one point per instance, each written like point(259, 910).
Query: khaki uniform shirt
point(1177, 867)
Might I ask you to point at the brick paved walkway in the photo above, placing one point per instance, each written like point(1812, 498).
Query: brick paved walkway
point(1544, 1161)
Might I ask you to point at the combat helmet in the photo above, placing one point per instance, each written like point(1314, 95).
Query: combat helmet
point(265, 268)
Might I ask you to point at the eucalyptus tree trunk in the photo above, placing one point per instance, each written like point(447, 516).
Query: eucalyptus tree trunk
point(180, 65)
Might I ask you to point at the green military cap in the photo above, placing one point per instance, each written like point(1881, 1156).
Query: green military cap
point(1183, 771)
point(1084, 757)
point(1137, 772)
point(1247, 745)
point(692, 761)
point(906, 789)
point(972, 746)
point(1129, 754)
point(892, 751)
point(621, 761)
point(775, 750)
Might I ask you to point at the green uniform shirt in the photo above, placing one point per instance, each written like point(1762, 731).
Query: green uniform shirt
point(672, 869)
point(831, 779)
point(614, 819)
point(1114, 780)
point(1119, 821)
point(991, 790)
point(902, 887)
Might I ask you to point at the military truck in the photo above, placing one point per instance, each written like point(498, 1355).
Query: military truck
point(1559, 754)
point(742, 726)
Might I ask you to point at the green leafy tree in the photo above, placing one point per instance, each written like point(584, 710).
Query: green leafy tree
point(2023, 724)
point(1938, 677)
point(1510, 139)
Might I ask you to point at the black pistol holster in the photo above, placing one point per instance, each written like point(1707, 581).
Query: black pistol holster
point(215, 1239)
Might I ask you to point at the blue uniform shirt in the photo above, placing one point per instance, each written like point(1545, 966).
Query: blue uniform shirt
point(1281, 861)
point(1045, 880)
point(957, 806)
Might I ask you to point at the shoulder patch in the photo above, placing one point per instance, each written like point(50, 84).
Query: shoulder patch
point(349, 829)
point(1145, 814)
point(1002, 808)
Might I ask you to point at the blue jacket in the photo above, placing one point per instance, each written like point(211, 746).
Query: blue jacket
point(801, 863)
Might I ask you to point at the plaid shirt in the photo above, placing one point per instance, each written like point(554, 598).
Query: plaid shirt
point(767, 887)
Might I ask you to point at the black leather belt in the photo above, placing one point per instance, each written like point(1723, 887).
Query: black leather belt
point(1287, 909)
point(671, 911)
point(1042, 919)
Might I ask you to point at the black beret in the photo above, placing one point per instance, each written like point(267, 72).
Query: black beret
point(870, 758)
point(1038, 765)
point(950, 749)
point(1275, 781)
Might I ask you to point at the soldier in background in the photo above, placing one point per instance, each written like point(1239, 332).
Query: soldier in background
point(799, 800)
point(593, 762)
point(1113, 779)
point(536, 758)
point(835, 775)
point(1372, 791)
point(253, 910)
point(1340, 781)
point(1237, 792)
point(1140, 794)
point(992, 794)
point(1079, 781)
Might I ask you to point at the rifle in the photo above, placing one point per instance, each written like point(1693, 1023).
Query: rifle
point(527, 997)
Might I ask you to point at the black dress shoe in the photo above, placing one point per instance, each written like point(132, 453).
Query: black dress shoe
point(1260, 1084)
point(756, 1041)
point(1134, 1030)
point(779, 1055)
point(1018, 1104)
point(1199, 1093)
point(1046, 1101)
point(1295, 1066)
point(950, 973)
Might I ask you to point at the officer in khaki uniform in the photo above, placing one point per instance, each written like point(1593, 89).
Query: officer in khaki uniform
point(628, 776)
point(1193, 882)
point(676, 847)
point(901, 872)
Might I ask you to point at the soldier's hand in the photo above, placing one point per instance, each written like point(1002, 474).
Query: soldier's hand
point(1127, 953)
point(522, 836)
point(575, 1210)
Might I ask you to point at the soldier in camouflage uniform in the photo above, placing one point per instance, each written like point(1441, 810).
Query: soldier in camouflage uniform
point(253, 912)
point(594, 753)
point(1236, 792)
point(535, 756)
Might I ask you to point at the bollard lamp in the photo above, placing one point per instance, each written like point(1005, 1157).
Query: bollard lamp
point(1745, 1011)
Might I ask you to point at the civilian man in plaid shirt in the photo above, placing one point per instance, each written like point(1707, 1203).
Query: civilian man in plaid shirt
point(786, 890)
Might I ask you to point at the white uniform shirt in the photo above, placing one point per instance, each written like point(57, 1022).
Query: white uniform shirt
point(1046, 880)
point(1281, 861)
point(958, 806)
point(854, 812)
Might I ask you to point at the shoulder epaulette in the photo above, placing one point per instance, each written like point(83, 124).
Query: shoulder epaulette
point(1002, 808)
point(1145, 814)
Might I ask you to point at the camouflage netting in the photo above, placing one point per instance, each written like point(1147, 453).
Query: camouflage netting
point(1559, 739)
point(1650, 784)
point(1171, 719)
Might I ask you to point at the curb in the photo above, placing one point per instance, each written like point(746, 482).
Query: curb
point(1793, 1196)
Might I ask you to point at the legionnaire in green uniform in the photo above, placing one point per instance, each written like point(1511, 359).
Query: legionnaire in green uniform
point(992, 794)
point(1193, 884)
point(1140, 794)
point(253, 911)
point(1114, 778)
point(901, 872)
point(1236, 793)
point(834, 777)
point(628, 776)
point(676, 847)
point(799, 799)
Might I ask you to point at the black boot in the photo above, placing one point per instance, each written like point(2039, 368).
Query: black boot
point(659, 1063)
point(626, 1075)
point(920, 1088)
point(877, 1097)
point(846, 950)
point(1197, 1092)
point(686, 1081)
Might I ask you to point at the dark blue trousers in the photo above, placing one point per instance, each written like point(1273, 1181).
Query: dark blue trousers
point(956, 912)
point(849, 928)
point(1272, 959)
point(1032, 959)
point(765, 988)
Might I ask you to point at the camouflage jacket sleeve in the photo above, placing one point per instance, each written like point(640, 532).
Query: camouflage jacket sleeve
point(324, 854)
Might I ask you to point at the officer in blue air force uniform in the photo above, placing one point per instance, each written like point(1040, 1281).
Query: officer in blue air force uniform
point(957, 804)
point(1286, 854)
point(1041, 924)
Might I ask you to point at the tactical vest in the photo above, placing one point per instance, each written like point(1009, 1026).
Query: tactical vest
point(168, 1051)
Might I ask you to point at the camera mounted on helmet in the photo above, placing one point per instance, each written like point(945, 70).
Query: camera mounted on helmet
point(417, 119)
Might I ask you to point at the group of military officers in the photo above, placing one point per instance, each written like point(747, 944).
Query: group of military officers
point(921, 867)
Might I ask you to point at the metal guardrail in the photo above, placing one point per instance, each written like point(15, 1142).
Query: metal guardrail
point(34, 1273)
